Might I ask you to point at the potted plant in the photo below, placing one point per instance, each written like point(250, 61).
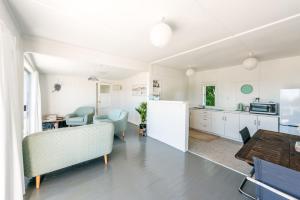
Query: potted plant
point(142, 110)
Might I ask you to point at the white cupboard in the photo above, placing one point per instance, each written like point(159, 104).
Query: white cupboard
point(232, 127)
point(205, 120)
point(225, 124)
point(217, 123)
point(249, 121)
point(195, 119)
point(228, 124)
point(268, 123)
point(255, 122)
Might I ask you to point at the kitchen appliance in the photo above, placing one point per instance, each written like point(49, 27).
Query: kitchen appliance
point(240, 107)
point(247, 109)
point(268, 108)
point(289, 111)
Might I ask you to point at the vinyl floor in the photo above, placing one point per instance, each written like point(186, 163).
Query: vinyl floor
point(141, 168)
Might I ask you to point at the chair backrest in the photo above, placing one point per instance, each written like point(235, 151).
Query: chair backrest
point(245, 134)
point(281, 178)
point(117, 114)
point(81, 111)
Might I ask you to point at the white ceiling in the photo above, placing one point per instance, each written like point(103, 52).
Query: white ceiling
point(281, 40)
point(122, 27)
point(60, 66)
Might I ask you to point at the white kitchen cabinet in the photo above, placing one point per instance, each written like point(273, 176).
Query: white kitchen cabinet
point(255, 122)
point(200, 120)
point(195, 119)
point(225, 124)
point(232, 126)
point(205, 120)
point(217, 123)
point(267, 123)
point(228, 124)
point(249, 121)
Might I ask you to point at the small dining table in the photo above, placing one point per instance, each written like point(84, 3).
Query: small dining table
point(275, 147)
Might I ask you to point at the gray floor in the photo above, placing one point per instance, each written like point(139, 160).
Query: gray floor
point(141, 168)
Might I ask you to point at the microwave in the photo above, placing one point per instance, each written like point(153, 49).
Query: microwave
point(264, 108)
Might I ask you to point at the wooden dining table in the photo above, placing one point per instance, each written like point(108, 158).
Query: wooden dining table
point(275, 147)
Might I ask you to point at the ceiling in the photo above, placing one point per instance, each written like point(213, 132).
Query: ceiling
point(60, 66)
point(281, 40)
point(122, 28)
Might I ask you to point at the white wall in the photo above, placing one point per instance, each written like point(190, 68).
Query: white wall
point(130, 102)
point(76, 91)
point(268, 78)
point(174, 83)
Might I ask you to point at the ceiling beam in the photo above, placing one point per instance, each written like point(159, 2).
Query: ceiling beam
point(75, 53)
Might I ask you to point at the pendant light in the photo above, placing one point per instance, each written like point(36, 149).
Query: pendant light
point(190, 72)
point(251, 62)
point(161, 34)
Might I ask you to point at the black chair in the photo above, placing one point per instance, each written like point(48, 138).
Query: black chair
point(245, 134)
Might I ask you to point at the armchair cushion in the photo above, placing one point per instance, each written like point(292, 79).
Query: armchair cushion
point(76, 119)
point(118, 117)
point(97, 121)
point(101, 117)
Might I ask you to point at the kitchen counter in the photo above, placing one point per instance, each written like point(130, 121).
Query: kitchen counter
point(228, 123)
point(231, 111)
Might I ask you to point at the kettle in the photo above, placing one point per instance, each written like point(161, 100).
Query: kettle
point(240, 107)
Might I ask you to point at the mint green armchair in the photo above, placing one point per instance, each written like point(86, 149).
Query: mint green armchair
point(81, 116)
point(118, 117)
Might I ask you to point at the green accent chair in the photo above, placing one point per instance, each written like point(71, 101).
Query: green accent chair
point(118, 117)
point(81, 116)
point(55, 149)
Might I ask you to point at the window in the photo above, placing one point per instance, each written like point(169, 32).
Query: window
point(209, 97)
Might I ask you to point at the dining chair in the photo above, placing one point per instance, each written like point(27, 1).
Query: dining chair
point(245, 134)
point(275, 182)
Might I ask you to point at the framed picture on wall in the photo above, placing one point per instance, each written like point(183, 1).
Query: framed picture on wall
point(139, 90)
point(156, 85)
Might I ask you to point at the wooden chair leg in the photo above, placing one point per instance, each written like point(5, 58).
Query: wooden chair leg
point(37, 182)
point(105, 159)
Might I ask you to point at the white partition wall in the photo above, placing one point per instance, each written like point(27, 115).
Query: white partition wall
point(168, 122)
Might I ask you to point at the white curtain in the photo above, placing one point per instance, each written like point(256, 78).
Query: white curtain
point(35, 113)
point(11, 118)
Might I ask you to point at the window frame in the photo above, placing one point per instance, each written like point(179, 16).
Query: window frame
point(204, 94)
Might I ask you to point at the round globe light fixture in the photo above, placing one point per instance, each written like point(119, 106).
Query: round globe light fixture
point(161, 34)
point(250, 63)
point(190, 72)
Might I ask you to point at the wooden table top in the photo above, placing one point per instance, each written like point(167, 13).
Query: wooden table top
point(53, 121)
point(275, 147)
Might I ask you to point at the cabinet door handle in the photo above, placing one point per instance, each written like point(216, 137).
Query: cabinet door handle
point(258, 123)
point(254, 122)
